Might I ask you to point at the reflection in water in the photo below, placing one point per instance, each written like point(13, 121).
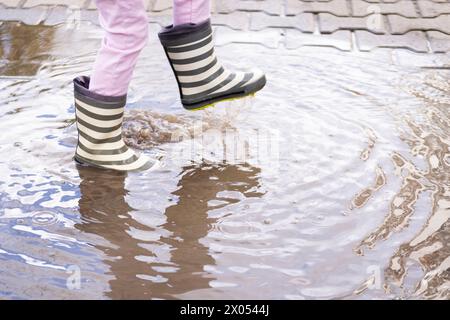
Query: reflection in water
point(291, 243)
point(23, 48)
point(363, 196)
point(143, 263)
point(430, 140)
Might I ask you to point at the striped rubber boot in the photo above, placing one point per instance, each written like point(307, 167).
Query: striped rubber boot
point(99, 123)
point(202, 80)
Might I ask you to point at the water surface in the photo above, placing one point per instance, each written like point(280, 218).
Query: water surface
point(332, 183)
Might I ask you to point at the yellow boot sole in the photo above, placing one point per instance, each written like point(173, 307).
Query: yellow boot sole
point(226, 99)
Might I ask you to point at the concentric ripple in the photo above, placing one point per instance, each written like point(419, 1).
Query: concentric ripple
point(333, 182)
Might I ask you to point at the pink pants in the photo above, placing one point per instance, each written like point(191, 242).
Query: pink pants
point(125, 23)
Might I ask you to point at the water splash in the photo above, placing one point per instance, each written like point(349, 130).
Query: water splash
point(145, 129)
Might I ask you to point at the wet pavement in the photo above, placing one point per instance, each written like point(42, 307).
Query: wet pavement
point(333, 182)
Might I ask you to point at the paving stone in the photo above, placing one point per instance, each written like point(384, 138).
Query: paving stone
point(440, 42)
point(148, 4)
point(273, 7)
point(270, 38)
point(30, 16)
point(401, 25)
point(311, 51)
point(153, 40)
point(414, 40)
point(162, 5)
point(91, 4)
point(71, 3)
point(408, 58)
point(341, 40)
point(64, 15)
point(162, 18)
point(235, 20)
point(10, 3)
point(329, 23)
point(336, 7)
point(303, 21)
point(433, 9)
point(390, 1)
point(265, 24)
point(362, 8)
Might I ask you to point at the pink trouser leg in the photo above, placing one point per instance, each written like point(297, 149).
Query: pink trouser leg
point(125, 23)
point(190, 11)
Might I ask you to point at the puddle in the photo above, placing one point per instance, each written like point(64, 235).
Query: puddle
point(23, 48)
point(332, 183)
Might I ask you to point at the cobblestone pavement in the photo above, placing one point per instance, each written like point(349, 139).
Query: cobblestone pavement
point(415, 31)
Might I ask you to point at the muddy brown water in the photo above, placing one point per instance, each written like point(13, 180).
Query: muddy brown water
point(332, 183)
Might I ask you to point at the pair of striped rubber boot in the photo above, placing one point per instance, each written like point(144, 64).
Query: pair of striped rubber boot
point(201, 79)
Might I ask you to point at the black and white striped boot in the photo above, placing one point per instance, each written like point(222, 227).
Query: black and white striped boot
point(202, 80)
point(99, 124)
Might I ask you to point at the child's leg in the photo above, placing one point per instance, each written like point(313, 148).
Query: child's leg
point(202, 79)
point(126, 31)
point(190, 11)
